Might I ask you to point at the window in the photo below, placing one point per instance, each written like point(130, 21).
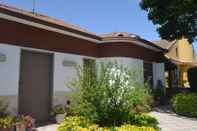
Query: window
point(148, 73)
point(89, 68)
point(177, 55)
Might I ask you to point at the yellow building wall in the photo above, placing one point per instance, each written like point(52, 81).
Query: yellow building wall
point(182, 51)
point(185, 51)
point(172, 53)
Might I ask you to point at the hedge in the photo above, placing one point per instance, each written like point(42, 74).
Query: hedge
point(185, 104)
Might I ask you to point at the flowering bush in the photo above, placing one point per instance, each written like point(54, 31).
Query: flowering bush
point(27, 122)
point(109, 94)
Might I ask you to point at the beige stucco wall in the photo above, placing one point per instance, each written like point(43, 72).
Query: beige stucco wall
point(63, 73)
point(65, 70)
point(9, 76)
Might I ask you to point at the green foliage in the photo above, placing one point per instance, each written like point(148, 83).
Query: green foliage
point(175, 18)
point(72, 123)
point(6, 122)
point(58, 109)
point(144, 120)
point(82, 124)
point(109, 97)
point(3, 109)
point(141, 99)
point(134, 128)
point(185, 104)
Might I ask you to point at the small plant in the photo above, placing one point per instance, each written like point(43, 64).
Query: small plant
point(185, 104)
point(6, 122)
point(58, 109)
point(144, 120)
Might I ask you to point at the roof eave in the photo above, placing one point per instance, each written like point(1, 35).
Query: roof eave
point(33, 19)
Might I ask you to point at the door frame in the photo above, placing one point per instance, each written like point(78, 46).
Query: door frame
point(51, 83)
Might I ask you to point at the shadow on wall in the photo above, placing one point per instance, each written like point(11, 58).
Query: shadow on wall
point(60, 97)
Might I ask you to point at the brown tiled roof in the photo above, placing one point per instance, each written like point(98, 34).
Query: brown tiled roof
point(128, 37)
point(45, 18)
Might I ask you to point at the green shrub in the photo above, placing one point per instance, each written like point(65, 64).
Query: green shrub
point(6, 122)
point(81, 124)
point(144, 120)
point(185, 104)
point(109, 96)
point(70, 123)
point(141, 99)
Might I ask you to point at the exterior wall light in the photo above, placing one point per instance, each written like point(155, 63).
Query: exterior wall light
point(2, 57)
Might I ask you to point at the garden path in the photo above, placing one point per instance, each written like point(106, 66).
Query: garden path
point(52, 127)
point(169, 121)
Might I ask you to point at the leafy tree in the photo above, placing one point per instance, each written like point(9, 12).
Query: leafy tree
point(174, 18)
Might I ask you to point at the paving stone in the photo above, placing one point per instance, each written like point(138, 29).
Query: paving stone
point(52, 127)
point(169, 121)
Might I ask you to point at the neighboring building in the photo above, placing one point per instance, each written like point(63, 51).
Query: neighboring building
point(181, 57)
point(38, 58)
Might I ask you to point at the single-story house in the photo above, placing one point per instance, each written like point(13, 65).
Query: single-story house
point(38, 55)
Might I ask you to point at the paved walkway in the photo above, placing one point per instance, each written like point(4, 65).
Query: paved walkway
point(52, 127)
point(169, 121)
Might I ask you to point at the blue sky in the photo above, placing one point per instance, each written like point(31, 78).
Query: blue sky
point(98, 16)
